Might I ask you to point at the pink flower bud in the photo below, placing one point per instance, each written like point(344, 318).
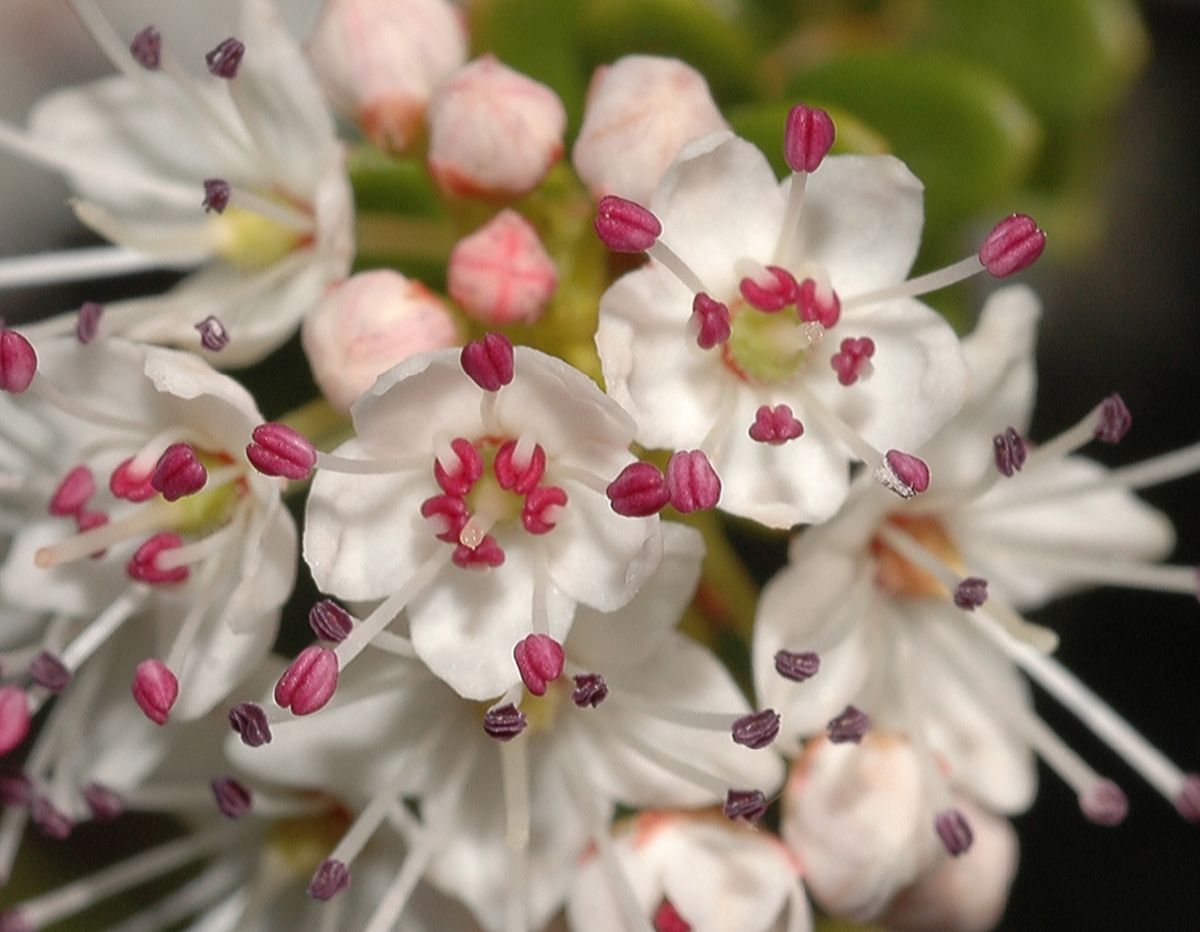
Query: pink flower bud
point(379, 63)
point(1014, 244)
point(143, 565)
point(73, 493)
point(310, 682)
point(14, 717)
point(808, 138)
point(18, 361)
point(692, 482)
point(489, 362)
point(367, 324)
point(501, 274)
point(493, 132)
point(155, 690)
point(640, 111)
point(638, 491)
point(540, 661)
point(277, 450)
point(178, 473)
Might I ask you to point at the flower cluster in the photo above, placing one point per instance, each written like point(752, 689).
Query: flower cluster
point(521, 705)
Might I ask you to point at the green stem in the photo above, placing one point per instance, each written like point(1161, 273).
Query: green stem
point(728, 596)
point(319, 422)
point(392, 238)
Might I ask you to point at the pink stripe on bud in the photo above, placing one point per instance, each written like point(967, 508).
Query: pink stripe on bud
point(710, 320)
point(692, 482)
point(775, 425)
point(1104, 803)
point(233, 798)
point(1014, 244)
point(486, 553)
point(330, 621)
point(14, 717)
point(310, 682)
point(639, 491)
point(155, 690)
point(178, 473)
point(143, 565)
point(911, 473)
point(146, 48)
point(225, 60)
point(523, 478)
point(540, 661)
point(457, 479)
point(49, 672)
point(773, 293)
point(132, 487)
point(808, 138)
point(625, 226)
point(73, 493)
point(540, 512)
point(818, 305)
point(330, 878)
point(489, 362)
point(18, 361)
point(277, 450)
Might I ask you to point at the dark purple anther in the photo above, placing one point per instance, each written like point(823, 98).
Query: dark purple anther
point(971, 593)
point(504, 722)
point(1188, 801)
point(233, 799)
point(330, 622)
point(146, 48)
point(329, 879)
point(214, 335)
point(692, 482)
point(1115, 420)
point(216, 194)
point(625, 226)
point(797, 667)
point(808, 138)
point(50, 672)
point(1014, 244)
point(639, 491)
point(711, 321)
point(756, 730)
point(590, 690)
point(954, 830)
point(51, 821)
point(87, 322)
point(249, 720)
point(105, 804)
point(16, 789)
point(849, 727)
point(489, 362)
point(1011, 451)
point(745, 805)
point(178, 473)
point(1104, 803)
point(225, 60)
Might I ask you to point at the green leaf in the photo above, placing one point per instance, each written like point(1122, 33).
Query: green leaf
point(959, 128)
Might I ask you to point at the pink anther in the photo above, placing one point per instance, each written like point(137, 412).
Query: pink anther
point(911, 472)
point(131, 486)
point(155, 689)
point(853, 359)
point(692, 482)
point(143, 565)
point(710, 321)
point(14, 717)
point(625, 226)
point(73, 493)
point(18, 361)
point(639, 491)
point(309, 682)
point(540, 661)
point(489, 362)
point(87, 321)
point(225, 60)
point(146, 48)
point(449, 513)
point(819, 305)
point(539, 514)
point(278, 450)
point(457, 478)
point(775, 425)
point(179, 473)
point(521, 478)
point(487, 553)
point(808, 138)
point(774, 292)
point(1014, 244)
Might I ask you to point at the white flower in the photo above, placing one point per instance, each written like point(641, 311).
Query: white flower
point(702, 871)
point(237, 175)
point(481, 512)
point(913, 609)
point(509, 796)
point(753, 289)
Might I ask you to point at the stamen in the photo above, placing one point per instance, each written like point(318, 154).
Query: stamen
point(16, 789)
point(540, 661)
point(692, 482)
point(214, 335)
point(155, 689)
point(51, 821)
point(1104, 803)
point(309, 682)
point(131, 483)
point(955, 831)
point(278, 450)
point(1011, 451)
point(146, 48)
point(225, 60)
point(757, 730)
point(639, 491)
point(1015, 243)
point(971, 593)
point(590, 690)
point(249, 720)
point(1187, 800)
point(73, 493)
point(625, 226)
point(903, 473)
point(775, 425)
point(14, 717)
point(519, 465)
point(710, 321)
point(234, 799)
point(18, 361)
point(49, 672)
point(848, 727)
point(329, 621)
point(504, 722)
point(540, 512)
point(770, 289)
point(216, 195)
point(87, 322)
point(797, 667)
point(486, 553)
point(514, 770)
point(369, 467)
point(808, 137)
point(1108, 422)
point(104, 803)
point(178, 473)
point(143, 566)
point(853, 360)
point(819, 304)
point(745, 805)
point(448, 514)
point(330, 878)
point(459, 468)
point(1115, 420)
point(89, 640)
point(489, 362)
point(667, 919)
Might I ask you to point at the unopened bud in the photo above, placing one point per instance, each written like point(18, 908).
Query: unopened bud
point(379, 63)
point(368, 323)
point(501, 274)
point(640, 111)
point(493, 132)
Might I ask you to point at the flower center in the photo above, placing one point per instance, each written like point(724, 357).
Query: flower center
point(298, 845)
point(899, 577)
point(248, 240)
point(768, 348)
